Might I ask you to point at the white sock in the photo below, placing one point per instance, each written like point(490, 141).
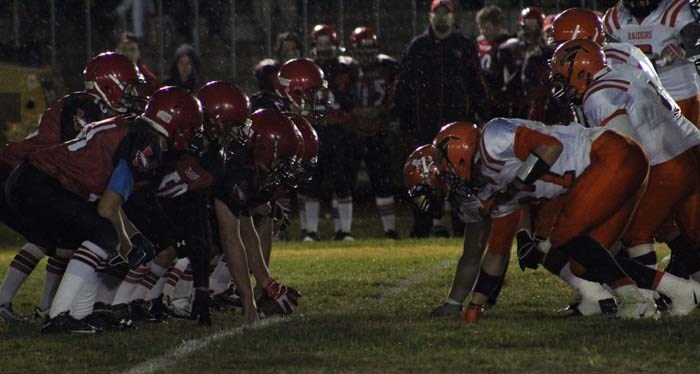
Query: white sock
point(128, 285)
point(84, 302)
point(642, 250)
point(80, 270)
point(437, 222)
point(345, 214)
point(22, 265)
point(184, 288)
point(157, 290)
point(301, 202)
point(387, 212)
point(585, 288)
point(149, 280)
point(220, 277)
point(109, 284)
point(312, 210)
point(174, 275)
point(337, 224)
point(55, 268)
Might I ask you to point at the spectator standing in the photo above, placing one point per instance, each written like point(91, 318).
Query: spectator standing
point(130, 47)
point(440, 82)
point(185, 69)
point(493, 34)
point(288, 46)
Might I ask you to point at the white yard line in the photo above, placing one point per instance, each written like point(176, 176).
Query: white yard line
point(193, 345)
point(190, 346)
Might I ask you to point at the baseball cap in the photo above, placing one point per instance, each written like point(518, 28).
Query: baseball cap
point(438, 3)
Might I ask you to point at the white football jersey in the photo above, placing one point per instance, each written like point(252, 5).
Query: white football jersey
point(654, 33)
point(657, 124)
point(500, 165)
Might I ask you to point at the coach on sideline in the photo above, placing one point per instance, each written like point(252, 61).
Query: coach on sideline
point(439, 82)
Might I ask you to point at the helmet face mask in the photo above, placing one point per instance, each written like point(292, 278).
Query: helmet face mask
point(428, 200)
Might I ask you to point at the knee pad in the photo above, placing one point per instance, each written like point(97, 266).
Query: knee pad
point(487, 284)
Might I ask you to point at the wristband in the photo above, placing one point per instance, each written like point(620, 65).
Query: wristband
point(532, 169)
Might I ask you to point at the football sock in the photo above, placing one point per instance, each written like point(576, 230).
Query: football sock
point(301, 203)
point(110, 280)
point(149, 280)
point(81, 269)
point(220, 277)
point(128, 285)
point(345, 214)
point(175, 275)
point(312, 210)
point(597, 264)
point(21, 266)
point(644, 254)
point(387, 212)
point(55, 268)
point(337, 225)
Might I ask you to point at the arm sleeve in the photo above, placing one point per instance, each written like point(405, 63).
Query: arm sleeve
point(527, 139)
point(122, 180)
point(602, 106)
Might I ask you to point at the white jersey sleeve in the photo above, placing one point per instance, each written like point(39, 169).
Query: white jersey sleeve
point(605, 101)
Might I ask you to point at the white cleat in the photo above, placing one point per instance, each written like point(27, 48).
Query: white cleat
point(684, 297)
point(595, 300)
point(634, 304)
point(8, 314)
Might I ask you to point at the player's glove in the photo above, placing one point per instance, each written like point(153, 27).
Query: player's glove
point(142, 252)
point(278, 299)
point(670, 54)
point(200, 307)
point(528, 254)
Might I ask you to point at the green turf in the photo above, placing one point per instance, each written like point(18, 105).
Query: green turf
point(365, 308)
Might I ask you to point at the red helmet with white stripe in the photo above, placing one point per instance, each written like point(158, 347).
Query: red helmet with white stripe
point(113, 78)
point(176, 114)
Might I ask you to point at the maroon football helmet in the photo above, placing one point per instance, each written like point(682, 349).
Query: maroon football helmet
point(276, 148)
point(176, 114)
point(363, 37)
point(113, 78)
point(226, 110)
point(324, 30)
point(301, 81)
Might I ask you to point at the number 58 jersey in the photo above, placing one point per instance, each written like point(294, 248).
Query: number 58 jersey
point(505, 144)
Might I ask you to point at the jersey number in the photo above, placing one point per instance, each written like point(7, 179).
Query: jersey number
point(87, 134)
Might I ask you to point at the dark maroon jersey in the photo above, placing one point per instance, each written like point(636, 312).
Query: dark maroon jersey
point(185, 174)
point(61, 122)
point(85, 164)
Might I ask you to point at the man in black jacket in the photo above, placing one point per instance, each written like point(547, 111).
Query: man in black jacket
point(440, 82)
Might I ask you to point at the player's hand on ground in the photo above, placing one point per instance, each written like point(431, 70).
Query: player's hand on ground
point(278, 298)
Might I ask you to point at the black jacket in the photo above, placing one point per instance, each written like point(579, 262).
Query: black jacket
point(440, 82)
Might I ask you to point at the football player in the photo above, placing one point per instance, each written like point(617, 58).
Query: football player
point(667, 32)
point(336, 153)
point(618, 100)
point(57, 188)
point(303, 83)
point(511, 163)
point(371, 114)
point(255, 176)
point(110, 88)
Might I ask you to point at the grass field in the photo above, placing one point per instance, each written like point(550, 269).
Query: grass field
point(365, 308)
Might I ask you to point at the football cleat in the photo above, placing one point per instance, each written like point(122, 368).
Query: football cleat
point(64, 323)
point(391, 234)
point(8, 314)
point(634, 304)
point(40, 314)
point(440, 231)
point(140, 311)
point(592, 307)
point(343, 236)
point(224, 301)
point(447, 310)
point(473, 313)
point(685, 297)
point(159, 310)
point(180, 308)
point(311, 237)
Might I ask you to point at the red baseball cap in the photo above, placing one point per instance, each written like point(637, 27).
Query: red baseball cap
point(438, 3)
